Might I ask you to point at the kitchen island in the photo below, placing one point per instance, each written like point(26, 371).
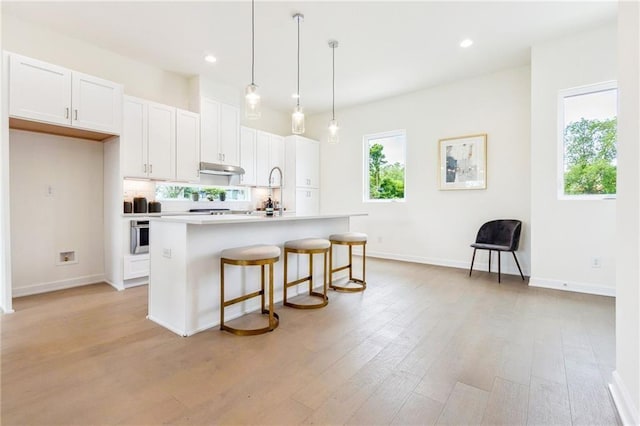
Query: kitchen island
point(184, 278)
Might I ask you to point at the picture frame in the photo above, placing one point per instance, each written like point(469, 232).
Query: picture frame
point(463, 162)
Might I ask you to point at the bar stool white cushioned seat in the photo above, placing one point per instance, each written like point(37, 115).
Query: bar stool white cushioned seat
point(349, 239)
point(308, 246)
point(256, 255)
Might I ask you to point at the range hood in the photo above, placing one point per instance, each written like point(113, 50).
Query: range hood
point(220, 169)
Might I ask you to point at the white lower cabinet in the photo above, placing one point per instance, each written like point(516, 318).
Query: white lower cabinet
point(136, 266)
point(307, 201)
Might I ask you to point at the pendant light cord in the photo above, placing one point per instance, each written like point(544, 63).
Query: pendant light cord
point(252, 42)
point(333, 77)
point(298, 102)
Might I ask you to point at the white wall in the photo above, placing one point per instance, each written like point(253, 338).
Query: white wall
point(70, 219)
point(435, 226)
point(567, 234)
point(139, 79)
point(626, 379)
point(271, 121)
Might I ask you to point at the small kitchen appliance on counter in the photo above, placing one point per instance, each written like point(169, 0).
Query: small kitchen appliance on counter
point(139, 205)
point(155, 207)
point(128, 207)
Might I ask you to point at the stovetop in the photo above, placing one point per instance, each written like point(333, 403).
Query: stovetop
point(209, 210)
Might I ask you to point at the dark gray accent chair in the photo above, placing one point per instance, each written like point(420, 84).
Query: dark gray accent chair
point(498, 235)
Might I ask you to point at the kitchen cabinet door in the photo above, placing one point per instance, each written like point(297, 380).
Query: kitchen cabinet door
point(307, 201)
point(229, 141)
point(97, 104)
point(307, 163)
point(161, 131)
point(210, 131)
point(248, 156)
point(134, 138)
point(39, 91)
point(276, 158)
point(187, 145)
point(263, 150)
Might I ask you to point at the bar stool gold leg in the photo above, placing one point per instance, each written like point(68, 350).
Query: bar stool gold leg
point(309, 278)
point(362, 284)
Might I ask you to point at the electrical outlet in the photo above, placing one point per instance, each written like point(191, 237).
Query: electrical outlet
point(67, 257)
point(166, 253)
point(596, 262)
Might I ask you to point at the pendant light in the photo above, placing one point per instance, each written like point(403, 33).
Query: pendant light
point(297, 118)
point(333, 123)
point(252, 97)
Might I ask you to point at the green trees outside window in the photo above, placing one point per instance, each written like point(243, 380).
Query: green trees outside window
point(386, 169)
point(588, 137)
point(590, 157)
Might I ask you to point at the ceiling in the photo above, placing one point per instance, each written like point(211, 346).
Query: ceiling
point(385, 48)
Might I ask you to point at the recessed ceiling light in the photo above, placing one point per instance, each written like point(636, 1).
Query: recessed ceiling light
point(295, 95)
point(210, 58)
point(466, 42)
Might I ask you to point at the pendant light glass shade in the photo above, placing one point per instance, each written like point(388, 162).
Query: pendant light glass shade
point(252, 102)
point(333, 123)
point(251, 95)
point(297, 118)
point(297, 121)
point(333, 132)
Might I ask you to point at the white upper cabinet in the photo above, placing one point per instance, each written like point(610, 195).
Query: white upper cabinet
point(187, 145)
point(96, 103)
point(162, 141)
point(302, 181)
point(269, 154)
point(148, 140)
point(39, 91)
point(248, 156)
point(220, 132)
point(230, 134)
point(133, 140)
point(303, 155)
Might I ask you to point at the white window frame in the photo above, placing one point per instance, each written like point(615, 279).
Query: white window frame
point(365, 171)
point(566, 93)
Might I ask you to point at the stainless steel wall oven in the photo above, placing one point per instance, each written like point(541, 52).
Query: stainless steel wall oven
point(139, 236)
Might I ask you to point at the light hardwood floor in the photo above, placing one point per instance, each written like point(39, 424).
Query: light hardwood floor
point(422, 345)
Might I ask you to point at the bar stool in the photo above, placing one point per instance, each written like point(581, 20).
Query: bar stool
point(349, 239)
point(257, 255)
point(308, 246)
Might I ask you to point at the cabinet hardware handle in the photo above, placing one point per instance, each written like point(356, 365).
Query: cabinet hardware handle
point(150, 168)
point(145, 168)
point(76, 113)
point(66, 112)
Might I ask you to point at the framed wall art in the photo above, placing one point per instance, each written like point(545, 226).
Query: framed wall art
point(463, 162)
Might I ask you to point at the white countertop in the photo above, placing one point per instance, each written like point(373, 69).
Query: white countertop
point(245, 218)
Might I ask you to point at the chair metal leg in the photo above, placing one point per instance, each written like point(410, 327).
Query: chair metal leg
point(499, 253)
point(473, 258)
point(518, 264)
point(489, 261)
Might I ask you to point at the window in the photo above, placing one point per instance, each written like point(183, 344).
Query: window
point(587, 134)
point(184, 192)
point(384, 168)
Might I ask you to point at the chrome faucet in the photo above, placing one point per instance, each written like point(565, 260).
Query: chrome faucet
point(270, 174)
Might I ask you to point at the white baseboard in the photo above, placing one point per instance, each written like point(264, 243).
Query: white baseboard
point(167, 326)
point(508, 268)
point(112, 284)
point(57, 285)
point(588, 288)
point(626, 410)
